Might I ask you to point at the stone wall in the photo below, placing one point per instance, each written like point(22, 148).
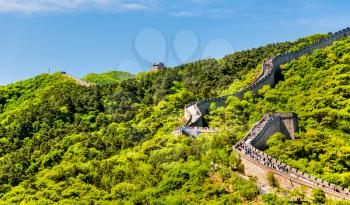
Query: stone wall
point(289, 182)
point(287, 57)
point(194, 131)
point(268, 76)
point(271, 127)
point(79, 81)
point(290, 123)
point(257, 163)
point(286, 123)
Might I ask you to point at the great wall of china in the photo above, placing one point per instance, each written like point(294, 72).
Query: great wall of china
point(79, 81)
point(255, 161)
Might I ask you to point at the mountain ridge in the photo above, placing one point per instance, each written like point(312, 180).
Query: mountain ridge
point(112, 144)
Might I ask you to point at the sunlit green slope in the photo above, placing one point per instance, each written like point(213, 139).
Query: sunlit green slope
point(108, 77)
point(61, 143)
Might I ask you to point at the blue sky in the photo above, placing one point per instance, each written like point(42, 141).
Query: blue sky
point(84, 36)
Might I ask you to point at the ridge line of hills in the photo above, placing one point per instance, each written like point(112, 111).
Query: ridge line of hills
point(269, 76)
point(62, 143)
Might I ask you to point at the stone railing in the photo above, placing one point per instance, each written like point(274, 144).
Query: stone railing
point(270, 67)
point(245, 147)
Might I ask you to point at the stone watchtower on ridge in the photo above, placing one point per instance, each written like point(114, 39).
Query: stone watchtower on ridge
point(286, 123)
point(158, 66)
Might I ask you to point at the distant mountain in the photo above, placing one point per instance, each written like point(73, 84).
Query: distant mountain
point(107, 78)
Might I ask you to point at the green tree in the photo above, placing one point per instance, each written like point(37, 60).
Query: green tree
point(272, 180)
point(318, 196)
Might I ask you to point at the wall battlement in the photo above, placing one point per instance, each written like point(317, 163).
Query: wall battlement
point(270, 69)
point(285, 123)
point(255, 160)
point(194, 131)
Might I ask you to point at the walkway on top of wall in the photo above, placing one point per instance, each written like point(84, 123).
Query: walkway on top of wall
point(270, 67)
point(79, 81)
point(259, 158)
point(195, 111)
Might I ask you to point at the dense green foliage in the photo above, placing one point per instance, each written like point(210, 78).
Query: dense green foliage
point(107, 78)
point(316, 87)
point(272, 180)
point(318, 196)
point(112, 143)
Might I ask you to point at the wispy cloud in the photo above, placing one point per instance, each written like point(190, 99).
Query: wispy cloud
point(185, 13)
point(177, 8)
point(213, 13)
point(213, 9)
point(38, 6)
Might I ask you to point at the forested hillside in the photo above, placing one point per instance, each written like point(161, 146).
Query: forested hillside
point(112, 143)
point(316, 87)
point(107, 78)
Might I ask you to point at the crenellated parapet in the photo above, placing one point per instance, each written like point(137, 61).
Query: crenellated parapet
point(194, 131)
point(285, 123)
point(270, 69)
point(250, 150)
point(258, 163)
point(272, 122)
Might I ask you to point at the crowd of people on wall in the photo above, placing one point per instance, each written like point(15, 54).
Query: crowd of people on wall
point(267, 65)
point(247, 148)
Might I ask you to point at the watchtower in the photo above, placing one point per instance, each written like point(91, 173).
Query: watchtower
point(286, 123)
point(158, 66)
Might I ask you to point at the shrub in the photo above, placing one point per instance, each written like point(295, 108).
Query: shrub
point(272, 180)
point(318, 196)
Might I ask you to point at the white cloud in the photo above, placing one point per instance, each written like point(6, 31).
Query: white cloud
point(212, 9)
point(37, 6)
point(178, 8)
point(185, 13)
point(213, 13)
point(134, 6)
